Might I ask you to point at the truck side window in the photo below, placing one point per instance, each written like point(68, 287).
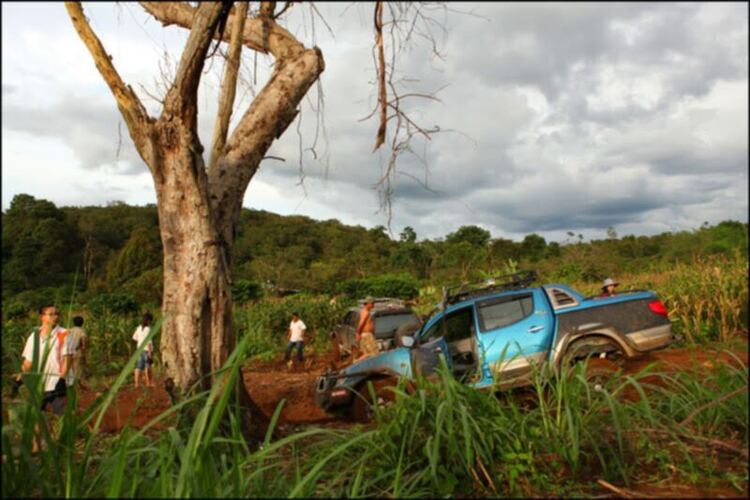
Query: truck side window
point(505, 311)
point(433, 332)
point(453, 326)
point(458, 325)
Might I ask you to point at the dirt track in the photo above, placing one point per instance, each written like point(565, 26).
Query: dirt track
point(271, 382)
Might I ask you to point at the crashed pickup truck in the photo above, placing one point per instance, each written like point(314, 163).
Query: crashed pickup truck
point(492, 335)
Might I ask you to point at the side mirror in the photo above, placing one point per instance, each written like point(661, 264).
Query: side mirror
point(407, 341)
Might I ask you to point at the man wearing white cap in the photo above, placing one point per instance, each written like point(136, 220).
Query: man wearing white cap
point(608, 288)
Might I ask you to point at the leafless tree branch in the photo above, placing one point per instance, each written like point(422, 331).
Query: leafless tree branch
point(135, 114)
point(277, 40)
point(382, 98)
point(182, 95)
point(229, 86)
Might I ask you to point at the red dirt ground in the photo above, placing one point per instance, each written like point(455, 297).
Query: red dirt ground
point(271, 382)
point(268, 383)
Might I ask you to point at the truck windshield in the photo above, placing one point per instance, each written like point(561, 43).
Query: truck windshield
point(387, 325)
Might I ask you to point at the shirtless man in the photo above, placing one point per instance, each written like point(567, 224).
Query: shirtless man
point(366, 331)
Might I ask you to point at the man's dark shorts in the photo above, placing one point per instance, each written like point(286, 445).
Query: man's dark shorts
point(143, 361)
point(56, 399)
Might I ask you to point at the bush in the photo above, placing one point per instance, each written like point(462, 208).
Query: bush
point(400, 286)
point(16, 311)
point(268, 321)
point(118, 302)
point(33, 299)
point(243, 291)
point(148, 287)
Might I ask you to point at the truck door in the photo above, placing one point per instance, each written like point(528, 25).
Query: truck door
point(514, 331)
point(458, 328)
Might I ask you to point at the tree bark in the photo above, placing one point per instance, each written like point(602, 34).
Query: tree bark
point(198, 207)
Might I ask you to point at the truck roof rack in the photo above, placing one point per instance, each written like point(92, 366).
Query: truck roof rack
point(380, 300)
point(517, 280)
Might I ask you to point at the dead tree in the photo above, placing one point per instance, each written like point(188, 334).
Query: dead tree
point(199, 204)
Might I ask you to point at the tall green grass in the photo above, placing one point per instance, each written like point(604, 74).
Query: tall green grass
point(444, 439)
point(441, 438)
point(448, 439)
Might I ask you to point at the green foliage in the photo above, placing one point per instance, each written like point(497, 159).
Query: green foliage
point(146, 288)
point(502, 249)
point(243, 291)
point(473, 235)
point(400, 286)
point(408, 235)
point(40, 248)
point(267, 321)
point(533, 247)
point(16, 310)
point(79, 253)
point(141, 253)
point(118, 303)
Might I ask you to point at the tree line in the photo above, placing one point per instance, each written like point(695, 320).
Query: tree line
point(116, 251)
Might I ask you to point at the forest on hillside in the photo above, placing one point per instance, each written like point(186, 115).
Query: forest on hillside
point(114, 252)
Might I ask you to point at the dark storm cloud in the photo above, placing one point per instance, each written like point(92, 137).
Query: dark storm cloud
point(561, 116)
point(539, 44)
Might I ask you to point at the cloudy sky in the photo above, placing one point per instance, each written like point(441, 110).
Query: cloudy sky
point(555, 117)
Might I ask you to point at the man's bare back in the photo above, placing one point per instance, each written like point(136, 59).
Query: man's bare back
point(366, 331)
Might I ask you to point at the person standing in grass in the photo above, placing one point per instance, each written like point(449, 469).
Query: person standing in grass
point(296, 337)
point(80, 344)
point(49, 346)
point(55, 349)
point(143, 365)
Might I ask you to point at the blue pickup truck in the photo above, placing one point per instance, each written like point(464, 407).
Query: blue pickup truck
point(492, 335)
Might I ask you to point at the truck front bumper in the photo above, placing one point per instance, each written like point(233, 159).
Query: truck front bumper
point(328, 395)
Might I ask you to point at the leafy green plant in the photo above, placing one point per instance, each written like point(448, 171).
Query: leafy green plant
point(118, 303)
point(400, 286)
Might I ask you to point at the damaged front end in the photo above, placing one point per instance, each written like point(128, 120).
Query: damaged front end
point(336, 390)
point(331, 392)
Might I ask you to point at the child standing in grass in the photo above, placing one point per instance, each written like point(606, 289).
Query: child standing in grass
point(143, 365)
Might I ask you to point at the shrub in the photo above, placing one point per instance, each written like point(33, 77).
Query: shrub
point(243, 291)
point(16, 310)
point(400, 286)
point(118, 302)
point(148, 287)
point(268, 321)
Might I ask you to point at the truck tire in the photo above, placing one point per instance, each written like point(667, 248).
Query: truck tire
point(603, 357)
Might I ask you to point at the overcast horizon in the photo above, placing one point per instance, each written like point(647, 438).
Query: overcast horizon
point(558, 117)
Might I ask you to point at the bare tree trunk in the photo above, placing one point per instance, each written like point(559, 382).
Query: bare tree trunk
point(197, 334)
point(199, 208)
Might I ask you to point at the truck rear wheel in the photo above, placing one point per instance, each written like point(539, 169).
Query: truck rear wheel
point(603, 357)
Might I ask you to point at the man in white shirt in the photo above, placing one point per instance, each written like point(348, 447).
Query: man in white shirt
point(50, 346)
point(143, 365)
point(296, 336)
